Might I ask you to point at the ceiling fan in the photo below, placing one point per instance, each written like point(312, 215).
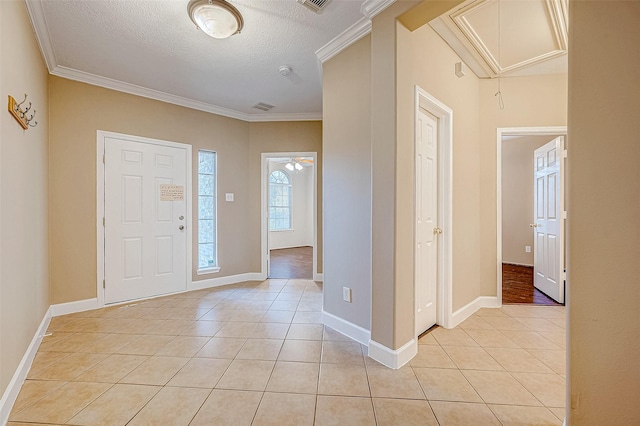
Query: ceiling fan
point(298, 163)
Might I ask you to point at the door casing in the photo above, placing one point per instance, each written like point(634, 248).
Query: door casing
point(444, 114)
point(100, 205)
point(516, 131)
point(264, 208)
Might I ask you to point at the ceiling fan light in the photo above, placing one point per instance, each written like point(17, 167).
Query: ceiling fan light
point(289, 166)
point(298, 166)
point(217, 18)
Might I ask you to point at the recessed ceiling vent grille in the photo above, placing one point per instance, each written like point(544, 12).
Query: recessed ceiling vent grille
point(262, 106)
point(316, 5)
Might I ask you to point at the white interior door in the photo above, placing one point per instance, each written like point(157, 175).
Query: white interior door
point(145, 231)
point(427, 231)
point(548, 216)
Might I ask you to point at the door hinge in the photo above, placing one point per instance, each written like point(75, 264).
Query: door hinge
point(104, 221)
point(565, 153)
point(103, 159)
point(104, 283)
point(564, 214)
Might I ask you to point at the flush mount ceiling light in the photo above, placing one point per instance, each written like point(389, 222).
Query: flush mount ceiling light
point(217, 18)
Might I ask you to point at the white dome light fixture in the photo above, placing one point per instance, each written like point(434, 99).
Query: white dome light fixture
point(217, 18)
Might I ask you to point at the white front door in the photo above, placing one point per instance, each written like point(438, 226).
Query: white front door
point(427, 231)
point(145, 231)
point(548, 205)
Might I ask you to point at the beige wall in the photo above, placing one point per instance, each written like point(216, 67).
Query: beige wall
point(24, 263)
point(73, 175)
point(297, 136)
point(430, 64)
point(517, 197)
point(347, 182)
point(539, 101)
point(604, 213)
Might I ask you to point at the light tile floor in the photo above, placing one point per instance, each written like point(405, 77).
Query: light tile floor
point(256, 353)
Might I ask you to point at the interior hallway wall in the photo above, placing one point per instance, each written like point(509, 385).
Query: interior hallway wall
point(24, 255)
point(603, 214)
point(347, 182)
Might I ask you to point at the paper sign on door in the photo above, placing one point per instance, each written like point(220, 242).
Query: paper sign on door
point(170, 192)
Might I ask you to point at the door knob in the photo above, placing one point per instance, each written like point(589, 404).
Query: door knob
point(181, 227)
point(533, 225)
point(437, 231)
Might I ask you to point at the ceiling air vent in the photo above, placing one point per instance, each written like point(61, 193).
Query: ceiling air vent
point(316, 5)
point(262, 106)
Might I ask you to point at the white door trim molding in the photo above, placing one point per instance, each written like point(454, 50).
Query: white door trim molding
point(264, 225)
point(100, 205)
point(444, 114)
point(512, 131)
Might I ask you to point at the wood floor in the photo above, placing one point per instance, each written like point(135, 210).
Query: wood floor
point(517, 286)
point(292, 263)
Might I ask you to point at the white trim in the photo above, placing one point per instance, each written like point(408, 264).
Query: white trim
point(393, 358)
point(264, 208)
point(39, 23)
point(445, 202)
point(345, 39)
point(100, 205)
point(108, 83)
point(513, 131)
point(73, 307)
point(370, 8)
point(472, 307)
point(13, 388)
point(347, 328)
point(205, 271)
point(318, 277)
point(230, 279)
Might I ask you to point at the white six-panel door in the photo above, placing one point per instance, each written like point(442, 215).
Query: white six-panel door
point(548, 222)
point(426, 217)
point(145, 234)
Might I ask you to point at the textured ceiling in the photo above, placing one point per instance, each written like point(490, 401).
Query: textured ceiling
point(151, 48)
point(154, 45)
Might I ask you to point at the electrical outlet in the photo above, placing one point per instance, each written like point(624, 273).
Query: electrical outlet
point(346, 294)
point(527, 249)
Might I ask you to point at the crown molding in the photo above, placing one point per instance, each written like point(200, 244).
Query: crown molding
point(371, 8)
point(108, 83)
point(39, 23)
point(344, 39)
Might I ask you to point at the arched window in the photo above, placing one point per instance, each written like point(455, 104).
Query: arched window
point(279, 201)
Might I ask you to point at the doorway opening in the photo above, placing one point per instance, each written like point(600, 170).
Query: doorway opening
point(531, 194)
point(289, 228)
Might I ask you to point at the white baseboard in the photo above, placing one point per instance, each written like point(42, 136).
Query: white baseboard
point(318, 277)
point(470, 308)
point(231, 279)
point(73, 307)
point(393, 358)
point(12, 390)
point(347, 328)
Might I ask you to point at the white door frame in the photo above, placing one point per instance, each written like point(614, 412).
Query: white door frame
point(444, 114)
point(264, 224)
point(516, 131)
point(100, 205)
